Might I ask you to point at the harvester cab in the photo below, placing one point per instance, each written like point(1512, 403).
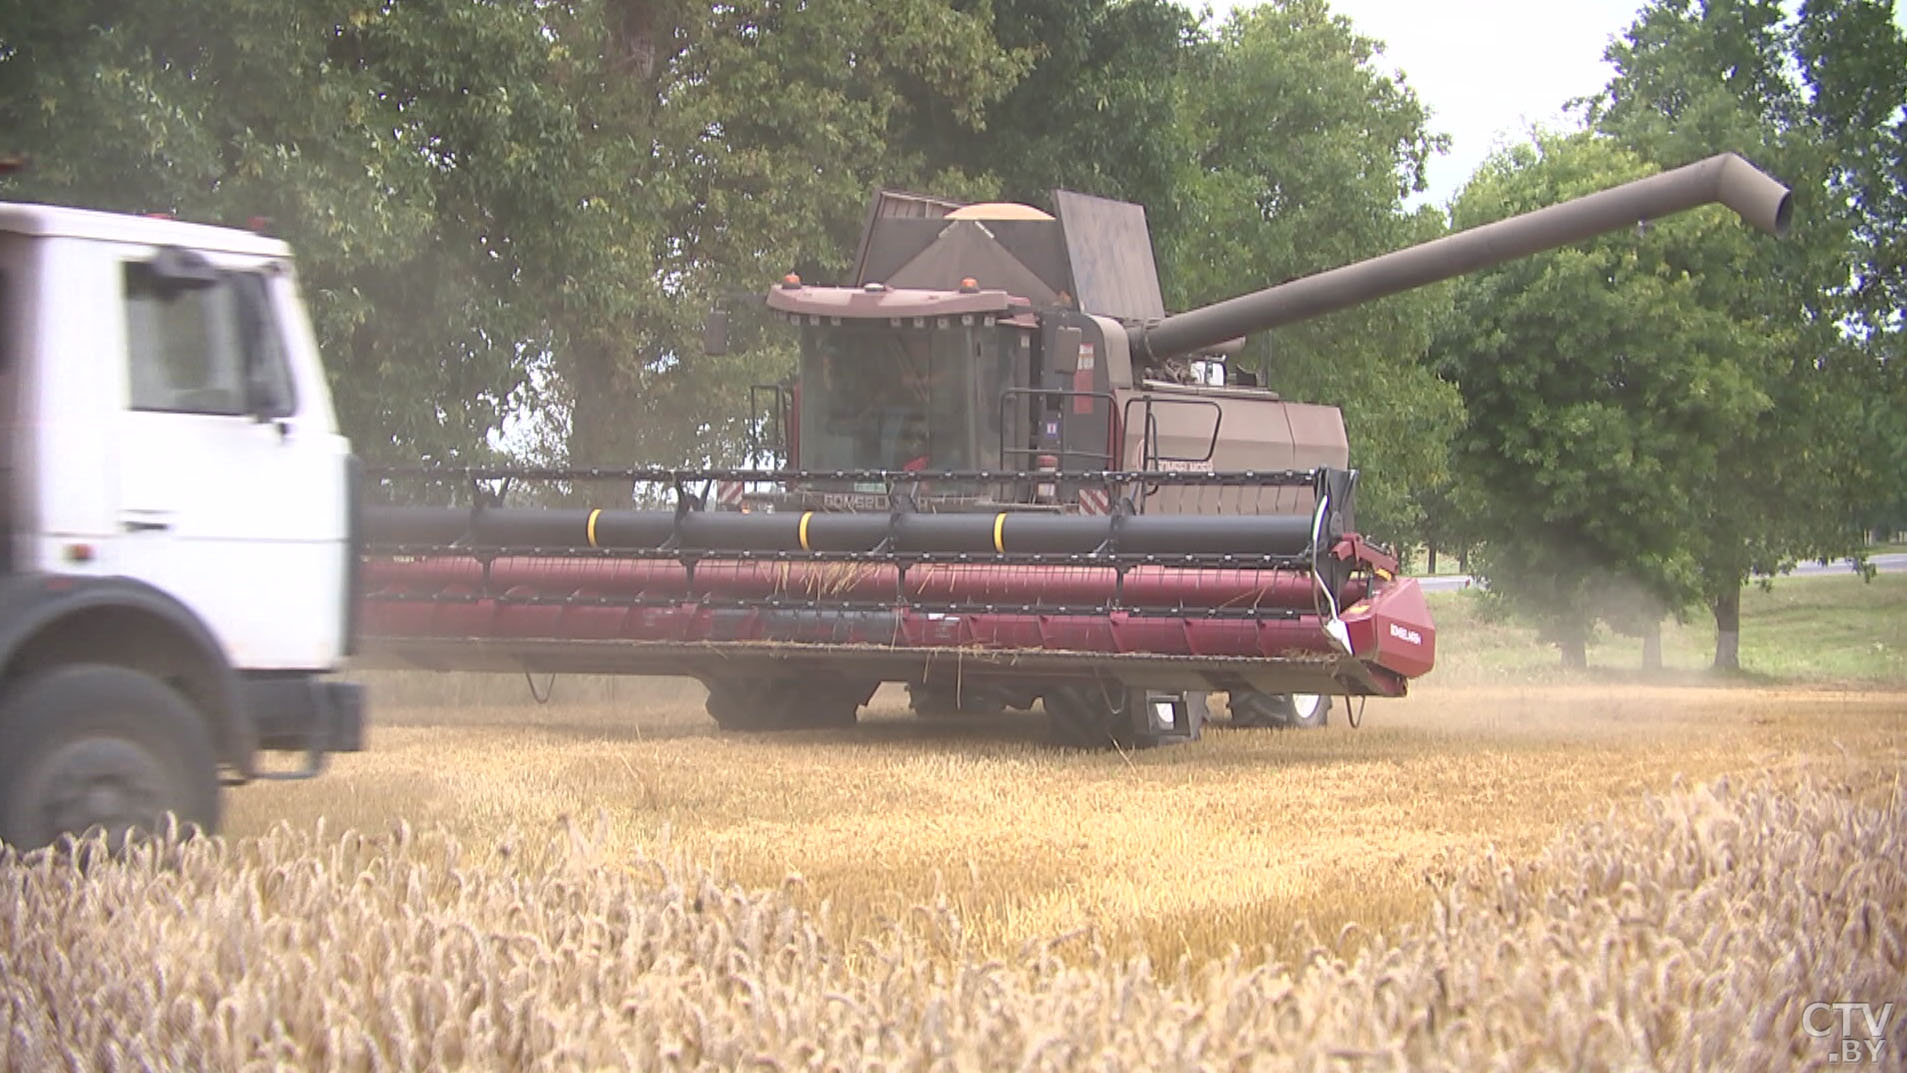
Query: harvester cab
point(995, 337)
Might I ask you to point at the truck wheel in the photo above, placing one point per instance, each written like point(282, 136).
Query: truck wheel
point(1305, 711)
point(94, 746)
point(755, 705)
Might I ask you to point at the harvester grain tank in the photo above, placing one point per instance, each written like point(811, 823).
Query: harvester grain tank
point(1006, 475)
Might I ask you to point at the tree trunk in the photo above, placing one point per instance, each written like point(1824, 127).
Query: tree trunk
point(1652, 646)
point(1431, 550)
point(632, 28)
point(1727, 608)
point(1573, 641)
point(593, 415)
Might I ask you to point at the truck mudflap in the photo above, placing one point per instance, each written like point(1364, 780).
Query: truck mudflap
point(303, 713)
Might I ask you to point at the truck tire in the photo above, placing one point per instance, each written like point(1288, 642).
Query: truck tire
point(96, 746)
point(1302, 711)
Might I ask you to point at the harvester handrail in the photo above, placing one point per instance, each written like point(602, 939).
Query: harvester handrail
point(1252, 612)
point(654, 475)
point(1097, 559)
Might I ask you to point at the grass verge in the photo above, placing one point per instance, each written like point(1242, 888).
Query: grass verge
point(1820, 630)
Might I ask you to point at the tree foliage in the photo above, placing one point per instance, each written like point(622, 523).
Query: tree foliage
point(1602, 388)
point(227, 109)
point(1664, 416)
point(1817, 97)
point(527, 209)
point(758, 130)
point(1100, 108)
point(500, 204)
point(1303, 153)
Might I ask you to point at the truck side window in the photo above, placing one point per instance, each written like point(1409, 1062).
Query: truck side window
point(267, 371)
point(207, 349)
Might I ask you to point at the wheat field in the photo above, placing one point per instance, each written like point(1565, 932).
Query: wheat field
point(1490, 874)
point(1192, 850)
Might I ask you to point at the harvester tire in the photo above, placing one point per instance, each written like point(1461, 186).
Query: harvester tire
point(933, 702)
point(1101, 715)
point(1299, 711)
point(739, 704)
point(759, 705)
point(1088, 716)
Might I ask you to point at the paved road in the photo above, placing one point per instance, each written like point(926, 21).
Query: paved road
point(1890, 563)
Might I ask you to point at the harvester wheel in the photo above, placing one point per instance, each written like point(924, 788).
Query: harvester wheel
point(1100, 715)
point(936, 702)
point(753, 705)
point(1303, 711)
point(740, 703)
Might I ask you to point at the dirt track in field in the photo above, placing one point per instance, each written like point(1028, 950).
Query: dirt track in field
point(1191, 850)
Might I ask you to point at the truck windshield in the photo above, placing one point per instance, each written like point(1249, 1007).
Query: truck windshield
point(878, 396)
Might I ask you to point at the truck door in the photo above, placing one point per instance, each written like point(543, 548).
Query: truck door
point(232, 478)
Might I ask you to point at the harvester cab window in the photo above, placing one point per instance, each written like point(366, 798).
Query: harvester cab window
point(887, 397)
point(210, 347)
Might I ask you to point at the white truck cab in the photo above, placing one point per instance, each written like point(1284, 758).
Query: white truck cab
point(179, 511)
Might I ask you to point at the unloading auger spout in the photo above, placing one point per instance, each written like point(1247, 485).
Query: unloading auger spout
point(1726, 179)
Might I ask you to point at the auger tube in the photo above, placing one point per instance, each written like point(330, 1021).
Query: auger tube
point(1726, 179)
point(865, 532)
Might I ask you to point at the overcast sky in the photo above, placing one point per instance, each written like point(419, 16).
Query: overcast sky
point(1489, 68)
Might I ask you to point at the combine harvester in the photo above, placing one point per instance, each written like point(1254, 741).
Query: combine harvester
point(1005, 476)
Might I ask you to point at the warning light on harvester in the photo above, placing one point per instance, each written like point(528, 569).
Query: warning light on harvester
point(969, 285)
point(1164, 717)
point(790, 282)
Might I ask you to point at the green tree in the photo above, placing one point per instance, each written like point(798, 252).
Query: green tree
point(1100, 109)
point(1816, 97)
point(734, 142)
point(501, 206)
point(1303, 152)
point(1853, 57)
point(1602, 387)
point(222, 110)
